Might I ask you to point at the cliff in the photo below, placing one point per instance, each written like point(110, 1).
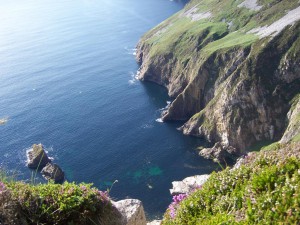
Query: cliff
point(233, 69)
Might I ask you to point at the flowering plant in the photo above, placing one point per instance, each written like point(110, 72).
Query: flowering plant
point(173, 206)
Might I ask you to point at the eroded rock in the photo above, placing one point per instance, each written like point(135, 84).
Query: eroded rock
point(188, 184)
point(37, 157)
point(132, 211)
point(154, 222)
point(218, 153)
point(53, 172)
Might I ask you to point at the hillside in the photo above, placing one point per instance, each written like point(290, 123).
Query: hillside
point(262, 188)
point(233, 69)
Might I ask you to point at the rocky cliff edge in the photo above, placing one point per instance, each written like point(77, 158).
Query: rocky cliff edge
point(233, 69)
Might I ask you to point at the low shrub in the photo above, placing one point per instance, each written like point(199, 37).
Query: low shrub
point(264, 189)
point(51, 203)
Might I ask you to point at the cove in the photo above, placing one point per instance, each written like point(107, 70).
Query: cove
point(67, 80)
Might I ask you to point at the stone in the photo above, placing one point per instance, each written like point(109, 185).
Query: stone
point(3, 121)
point(132, 211)
point(154, 222)
point(293, 128)
point(217, 153)
point(37, 157)
point(53, 172)
point(188, 184)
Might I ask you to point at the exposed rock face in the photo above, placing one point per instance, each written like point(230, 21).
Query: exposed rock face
point(188, 184)
point(37, 157)
point(53, 172)
point(293, 128)
point(132, 212)
point(154, 222)
point(218, 153)
point(233, 88)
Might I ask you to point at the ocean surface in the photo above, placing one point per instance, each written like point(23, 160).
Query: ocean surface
point(67, 80)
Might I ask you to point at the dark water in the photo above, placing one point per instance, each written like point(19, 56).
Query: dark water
point(67, 80)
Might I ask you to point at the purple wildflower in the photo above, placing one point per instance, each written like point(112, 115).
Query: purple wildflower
point(83, 188)
point(178, 198)
point(2, 187)
point(173, 206)
point(103, 196)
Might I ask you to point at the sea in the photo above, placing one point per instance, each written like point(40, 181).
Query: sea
point(68, 81)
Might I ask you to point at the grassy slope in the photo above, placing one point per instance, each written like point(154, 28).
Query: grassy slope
point(180, 35)
point(69, 203)
point(263, 190)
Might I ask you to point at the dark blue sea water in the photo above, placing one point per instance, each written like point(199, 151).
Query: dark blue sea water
point(67, 81)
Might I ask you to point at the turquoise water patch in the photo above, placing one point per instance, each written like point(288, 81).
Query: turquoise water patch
point(138, 174)
point(107, 183)
point(69, 174)
point(155, 171)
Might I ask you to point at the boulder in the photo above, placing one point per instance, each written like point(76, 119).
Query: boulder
point(37, 157)
point(218, 153)
point(3, 121)
point(154, 222)
point(132, 211)
point(53, 172)
point(188, 184)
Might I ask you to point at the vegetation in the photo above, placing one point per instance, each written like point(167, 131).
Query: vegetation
point(264, 189)
point(69, 203)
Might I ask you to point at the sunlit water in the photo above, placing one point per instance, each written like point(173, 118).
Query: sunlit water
point(67, 80)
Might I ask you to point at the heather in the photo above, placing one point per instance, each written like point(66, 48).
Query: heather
point(263, 189)
point(69, 203)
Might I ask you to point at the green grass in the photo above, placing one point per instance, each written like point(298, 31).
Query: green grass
point(264, 190)
point(296, 138)
point(231, 40)
point(51, 203)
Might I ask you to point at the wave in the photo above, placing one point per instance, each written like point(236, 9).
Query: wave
point(159, 120)
point(4, 120)
point(134, 77)
point(130, 51)
point(166, 107)
point(147, 126)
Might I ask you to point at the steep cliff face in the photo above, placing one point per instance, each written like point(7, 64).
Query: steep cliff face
point(232, 67)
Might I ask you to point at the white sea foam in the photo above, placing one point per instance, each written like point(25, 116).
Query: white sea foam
point(134, 78)
point(3, 120)
point(147, 126)
point(159, 120)
point(130, 51)
point(166, 107)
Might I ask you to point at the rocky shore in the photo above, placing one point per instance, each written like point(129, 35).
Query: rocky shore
point(232, 85)
point(38, 159)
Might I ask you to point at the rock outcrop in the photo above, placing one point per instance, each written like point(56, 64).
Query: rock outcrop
point(233, 86)
point(218, 153)
point(37, 157)
point(3, 121)
point(132, 212)
point(154, 222)
point(53, 172)
point(189, 184)
point(293, 117)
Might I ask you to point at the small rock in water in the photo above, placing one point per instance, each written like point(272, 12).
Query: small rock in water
point(3, 121)
point(53, 172)
point(37, 157)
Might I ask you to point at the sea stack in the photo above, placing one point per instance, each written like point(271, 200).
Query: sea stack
point(37, 157)
point(53, 172)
